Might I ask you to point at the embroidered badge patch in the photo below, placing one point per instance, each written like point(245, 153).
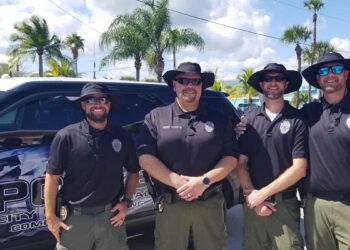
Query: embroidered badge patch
point(284, 127)
point(209, 126)
point(348, 122)
point(116, 145)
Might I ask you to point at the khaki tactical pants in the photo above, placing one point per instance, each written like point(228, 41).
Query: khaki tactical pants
point(327, 224)
point(92, 232)
point(280, 230)
point(206, 218)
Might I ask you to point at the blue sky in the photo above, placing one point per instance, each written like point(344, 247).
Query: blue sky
point(226, 49)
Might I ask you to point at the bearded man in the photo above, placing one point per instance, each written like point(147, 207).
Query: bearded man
point(90, 155)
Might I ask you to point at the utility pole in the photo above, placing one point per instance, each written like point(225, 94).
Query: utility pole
point(94, 64)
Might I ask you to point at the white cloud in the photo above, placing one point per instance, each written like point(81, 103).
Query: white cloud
point(3, 58)
point(341, 44)
point(227, 49)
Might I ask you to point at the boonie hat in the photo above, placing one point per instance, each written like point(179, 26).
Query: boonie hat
point(92, 88)
point(311, 72)
point(293, 77)
point(189, 67)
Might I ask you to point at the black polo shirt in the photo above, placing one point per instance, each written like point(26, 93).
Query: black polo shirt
point(187, 143)
point(92, 162)
point(329, 144)
point(272, 146)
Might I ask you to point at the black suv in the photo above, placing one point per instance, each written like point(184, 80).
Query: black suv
point(32, 110)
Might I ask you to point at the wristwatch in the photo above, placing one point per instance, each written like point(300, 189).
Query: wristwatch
point(128, 202)
point(206, 181)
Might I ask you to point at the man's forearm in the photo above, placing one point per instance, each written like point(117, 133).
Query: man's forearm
point(288, 178)
point(50, 193)
point(243, 175)
point(131, 184)
point(222, 169)
point(155, 168)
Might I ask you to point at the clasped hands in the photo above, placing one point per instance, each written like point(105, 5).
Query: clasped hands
point(190, 187)
point(256, 200)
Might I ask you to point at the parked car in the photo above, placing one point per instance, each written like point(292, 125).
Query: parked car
point(246, 107)
point(32, 110)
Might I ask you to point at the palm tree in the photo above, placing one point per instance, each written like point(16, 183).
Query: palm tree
point(157, 21)
point(243, 89)
point(217, 85)
point(75, 43)
point(322, 48)
point(126, 38)
point(33, 38)
point(178, 38)
point(297, 34)
point(315, 6)
point(62, 67)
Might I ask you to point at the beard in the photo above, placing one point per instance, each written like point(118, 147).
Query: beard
point(274, 96)
point(100, 118)
point(189, 98)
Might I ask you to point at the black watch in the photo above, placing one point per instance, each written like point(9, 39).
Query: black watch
point(128, 202)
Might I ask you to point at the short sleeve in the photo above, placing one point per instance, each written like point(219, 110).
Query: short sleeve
point(131, 163)
point(300, 145)
point(57, 155)
point(230, 144)
point(147, 140)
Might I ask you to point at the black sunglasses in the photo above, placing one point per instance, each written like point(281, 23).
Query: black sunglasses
point(336, 69)
point(187, 81)
point(94, 100)
point(268, 78)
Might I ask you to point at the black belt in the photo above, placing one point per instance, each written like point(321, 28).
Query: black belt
point(77, 210)
point(333, 197)
point(285, 195)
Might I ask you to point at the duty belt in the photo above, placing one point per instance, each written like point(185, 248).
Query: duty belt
point(66, 211)
point(332, 197)
point(285, 195)
point(77, 210)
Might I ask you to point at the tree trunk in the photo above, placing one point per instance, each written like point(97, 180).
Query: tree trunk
point(313, 52)
point(159, 66)
point(75, 58)
point(137, 67)
point(298, 52)
point(41, 65)
point(174, 57)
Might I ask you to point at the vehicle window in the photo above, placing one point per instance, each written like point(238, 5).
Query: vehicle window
point(223, 105)
point(130, 110)
point(52, 113)
point(8, 118)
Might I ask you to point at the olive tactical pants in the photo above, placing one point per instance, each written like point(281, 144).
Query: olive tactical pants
point(280, 230)
point(205, 218)
point(92, 232)
point(327, 224)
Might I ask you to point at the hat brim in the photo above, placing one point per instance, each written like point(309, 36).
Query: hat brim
point(310, 73)
point(208, 78)
point(91, 93)
point(294, 79)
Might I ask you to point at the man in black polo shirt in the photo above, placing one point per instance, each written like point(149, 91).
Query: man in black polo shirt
point(272, 161)
point(91, 155)
point(188, 148)
point(327, 212)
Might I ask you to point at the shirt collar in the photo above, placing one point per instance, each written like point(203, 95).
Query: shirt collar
point(344, 104)
point(199, 111)
point(88, 129)
point(285, 110)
